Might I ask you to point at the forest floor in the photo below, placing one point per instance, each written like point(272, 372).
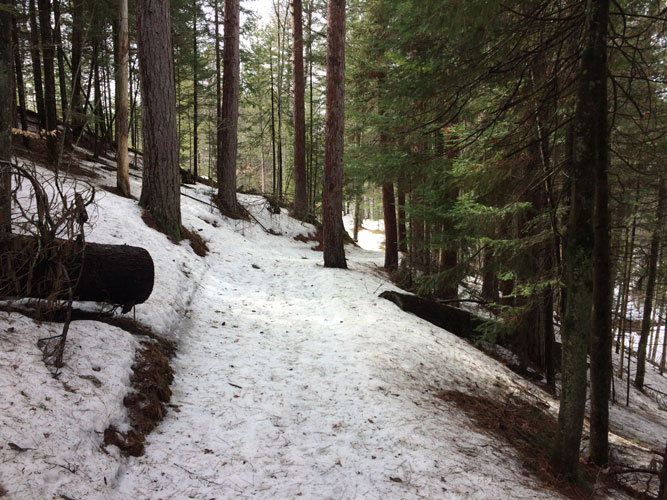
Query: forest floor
point(290, 380)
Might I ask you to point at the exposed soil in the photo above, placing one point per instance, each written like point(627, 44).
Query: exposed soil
point(531, 432)
point(196, 242)
point(146, 404)
point(37, 154)
point(150, 382)
point(240, 213)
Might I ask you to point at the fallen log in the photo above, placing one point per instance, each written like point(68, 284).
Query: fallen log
point(116, 274)
point(461, 323)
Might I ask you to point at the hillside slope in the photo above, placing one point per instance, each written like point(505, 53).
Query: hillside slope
point(291, 380)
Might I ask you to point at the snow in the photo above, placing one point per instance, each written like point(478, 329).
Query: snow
point(371, 233)
point(291, 379)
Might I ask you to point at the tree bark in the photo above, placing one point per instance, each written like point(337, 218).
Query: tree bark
point(218, 74)
point(663, 356)
point(650, 285)
point(62, 70)
point(662, 489)
point(489, 278)
point(36, 64)
point(601, 332)
point(230, 110)
point(123, 172)
point(160, 189)
point(332, 197)
point(626, 295)
point(448, 259)
point(195, 97)
point(20, 85)
point(77, 114)
point(390, 227)
point(97, 95)
point(49, 80)
point(300, 196)
point(273, 123)
point(357, 217)
point(661, 314)
point(589, 159)
point(7, 101)
point(402, 230)
point(116, 274)
point(312, 185)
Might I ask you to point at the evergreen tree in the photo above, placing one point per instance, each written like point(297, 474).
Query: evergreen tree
point(160, 190)
point(332, 199)
point(227, 139)
point(7, 102)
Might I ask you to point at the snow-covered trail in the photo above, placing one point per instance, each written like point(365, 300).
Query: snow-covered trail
point(296, 380)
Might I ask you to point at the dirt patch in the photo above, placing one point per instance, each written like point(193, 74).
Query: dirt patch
point(146, 404)
point(531, 432)
point(150, 220)
point(196, 242)
point(318, 237)
point(37, 154)
point(241, 213)
point(150, 381)
point(274, 204)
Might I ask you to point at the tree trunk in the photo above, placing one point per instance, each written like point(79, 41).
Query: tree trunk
point(273, 123)
point(49, 81)
point(116, 274)
point(390, 227)
point(402, 230)
point(626, 294)
point(97, 96)
point(62, 70)
point(279, 174)
point(36, 64)
point(218, 75)
point(661, 314)
point(662, 489)
point(489, 278)
point(313, 173)
point(448, 259)
point(7, 101)
point(230, 110)
point(160, 189)
point(123, 172)
point(20, 85)
point(77, 112)
point(195, 97)
point(357, 218)
point(300, 197)
point(332, 197)
point(663, 356)
point(601, 337)
point(588, 162)
point(650, 285)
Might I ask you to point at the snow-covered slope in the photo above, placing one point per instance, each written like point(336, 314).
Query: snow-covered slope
point(291, 380)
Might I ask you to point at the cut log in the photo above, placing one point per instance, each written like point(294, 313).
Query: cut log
point(116, 274)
